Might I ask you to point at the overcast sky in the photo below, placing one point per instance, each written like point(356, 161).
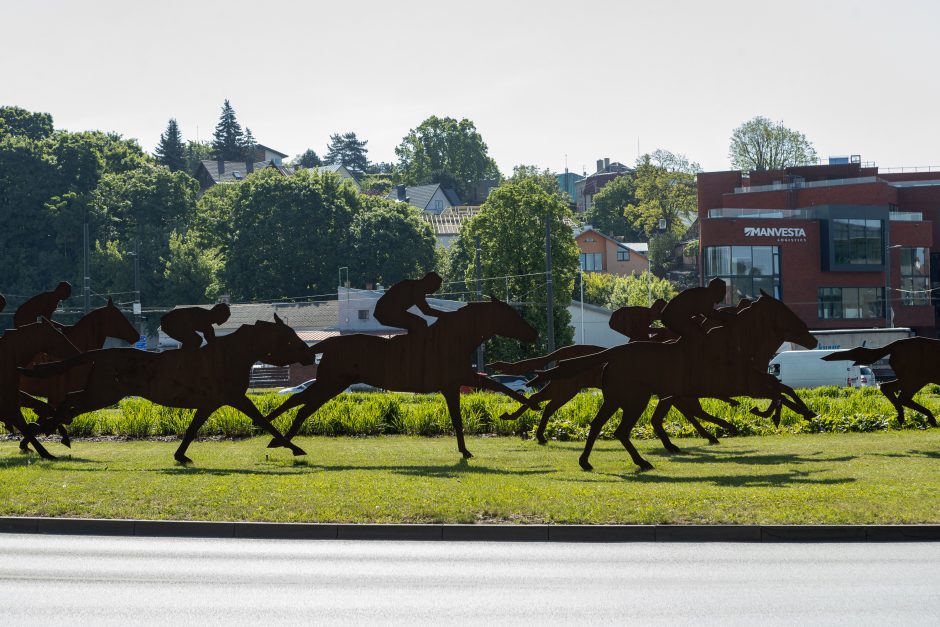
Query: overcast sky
point(539, 79)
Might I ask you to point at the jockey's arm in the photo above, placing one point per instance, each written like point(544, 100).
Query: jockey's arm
point(427, 310)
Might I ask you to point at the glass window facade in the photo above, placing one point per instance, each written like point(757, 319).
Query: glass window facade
point(850, 303)
point(915, 276)
point(592, 262)
point(857, 242)
point(746, 269)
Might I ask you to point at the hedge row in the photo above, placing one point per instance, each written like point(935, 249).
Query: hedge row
point(839, 410)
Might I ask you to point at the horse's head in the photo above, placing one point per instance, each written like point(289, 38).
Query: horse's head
point(284, 346)
point(787, 324)
point(114, 323)
point(508, 322)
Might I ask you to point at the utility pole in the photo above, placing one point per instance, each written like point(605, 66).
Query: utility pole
point(86, 283)
point(549, 306)
point(137, 308)
point(480, 354)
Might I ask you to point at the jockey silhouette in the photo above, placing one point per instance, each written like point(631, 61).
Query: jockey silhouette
point(182, 324)
point(682, 314)
point(392, 309)
point(42, 305)
point(636, 322)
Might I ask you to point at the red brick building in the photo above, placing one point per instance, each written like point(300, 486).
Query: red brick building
point(821, 238)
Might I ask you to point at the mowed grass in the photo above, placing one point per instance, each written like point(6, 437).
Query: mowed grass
point(887, 477)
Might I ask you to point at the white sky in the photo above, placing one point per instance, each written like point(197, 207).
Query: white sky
point(539, 79)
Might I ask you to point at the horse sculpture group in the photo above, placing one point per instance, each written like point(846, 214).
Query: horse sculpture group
point(701, 352)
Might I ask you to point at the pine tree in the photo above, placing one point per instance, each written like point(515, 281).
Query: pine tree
point(171, 151)
point(228, 139)
point(248, 145)
point(348, 150)
point(309, 159)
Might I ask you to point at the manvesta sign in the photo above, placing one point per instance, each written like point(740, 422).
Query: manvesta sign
point(777, 231)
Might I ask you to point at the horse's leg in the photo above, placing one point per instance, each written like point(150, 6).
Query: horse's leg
point(66, 440)
point(712, 418)
point(198, 420)
point(792, 400)
point(554, 405)
point(244, 405)
point(892, 391)
point(691, 407)
point(603, 415)
point(537, 398)
point(484, 382)
point(656, 420)
point(906, 397)
point(42, 410)
point(313, 399)
point(632, 410)
point(452, 397)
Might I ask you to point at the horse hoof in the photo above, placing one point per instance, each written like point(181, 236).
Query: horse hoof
point(467, 454)
point(67, 442)
point(585, 464)
point(273, 444)
point(645, 465)
point(541, 440)
point(182, 459)
point(675, 449)
point(24, 447)
point(296, 450)
point(713, 442)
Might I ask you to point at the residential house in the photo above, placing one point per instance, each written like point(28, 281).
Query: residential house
point(268, 155)
point(586, 188)
point(446, 225)
point(339, 170)
point(431, 198)
point(602, 253)
point(213, 171)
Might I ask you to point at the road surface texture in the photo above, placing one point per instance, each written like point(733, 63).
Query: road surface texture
point(74, 580)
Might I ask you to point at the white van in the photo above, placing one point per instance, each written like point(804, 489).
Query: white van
point(806, 369)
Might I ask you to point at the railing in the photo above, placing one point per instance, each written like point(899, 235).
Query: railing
point(862, 180)
point(915, 168)
point(771, 214)
point(906, 216)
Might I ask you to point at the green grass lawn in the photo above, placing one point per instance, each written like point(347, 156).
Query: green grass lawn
point(888, 477)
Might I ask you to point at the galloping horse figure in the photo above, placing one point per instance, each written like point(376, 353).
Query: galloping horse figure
point(436, 359)
point(203, 379)
point(689, 368)
point(915, 361)
point(17, 348)
point(89, 333)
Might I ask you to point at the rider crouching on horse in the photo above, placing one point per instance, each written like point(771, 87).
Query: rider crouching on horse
point(182, 324)
point(683, 314)
point(42, 305)
point(391, 310)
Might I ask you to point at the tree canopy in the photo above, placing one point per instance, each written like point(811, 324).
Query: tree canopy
point(445, 145)
point(350, 151)
point(171, 151)
point(511, 230)
point(606, 213)
point(308, 159)
point(760, 144)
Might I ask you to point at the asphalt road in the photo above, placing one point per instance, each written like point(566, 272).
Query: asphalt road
point(91, 580)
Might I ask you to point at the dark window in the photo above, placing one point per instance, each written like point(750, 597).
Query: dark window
point(592, 262)
point(915, 276)
point(857, 242)
point(746, 269)
point(623, 255)
point(850, 303)
point(363, 314)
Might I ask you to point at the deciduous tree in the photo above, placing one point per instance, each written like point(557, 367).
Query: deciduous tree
point(760, 144)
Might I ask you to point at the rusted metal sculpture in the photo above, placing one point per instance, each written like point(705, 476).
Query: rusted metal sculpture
point(204, 379)
point(433, 359)
point(17, 348)
point(634, 322)
point(915, 361)
point(185, 324)
point(89, 333)
point(42, 305)
point(392, 308)
point(700, 365)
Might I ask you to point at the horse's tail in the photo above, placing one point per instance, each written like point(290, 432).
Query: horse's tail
point(534, 363)
point(54, 368)
point(861, 356)
point(572, 367)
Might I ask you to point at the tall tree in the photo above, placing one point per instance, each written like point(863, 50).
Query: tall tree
point(309, 159)
point(170, 151)
point(663, 197)
point(196, 152)
point(228, 138)
point(350, 151)
point(511, 230)
point(248, 145)
point(760, 144)
point(608, 206)
point(445, 145)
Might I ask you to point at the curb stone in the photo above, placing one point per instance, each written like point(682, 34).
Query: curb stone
point(477, 533)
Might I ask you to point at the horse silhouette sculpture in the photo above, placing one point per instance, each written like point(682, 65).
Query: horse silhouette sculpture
point(89, 333)
point(709, 365)
point(203, 379)
point(435, 359)
point(915, 361)
point(17, 348)
point(633, 322)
